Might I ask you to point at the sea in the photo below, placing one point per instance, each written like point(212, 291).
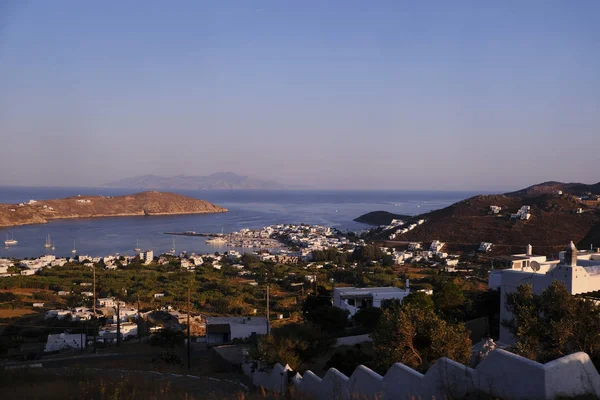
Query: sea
point(252, 209)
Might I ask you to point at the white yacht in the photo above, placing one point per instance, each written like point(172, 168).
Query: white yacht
point(10, 241)
point(48, 242)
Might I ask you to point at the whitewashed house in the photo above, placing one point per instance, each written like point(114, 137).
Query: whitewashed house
point(353, 299)
point(221, 330)
point(578, 270)
point(63, 341)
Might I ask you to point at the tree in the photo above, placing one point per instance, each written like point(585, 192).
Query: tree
point(294, 344)
point(368, 317)
point(448, 299)
point(419, 300)
point(318, 310)
point(347, 361)
point(367, 253)
point(417, 337)
point(553, 324)
point(332, 320)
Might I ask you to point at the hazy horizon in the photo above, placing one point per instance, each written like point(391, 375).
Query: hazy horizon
point(432, 95)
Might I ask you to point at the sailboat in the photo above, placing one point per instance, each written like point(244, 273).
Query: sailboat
point(173, 249)
point(137, 246)
point(48, 243)
point(74, 250)
point(10, 241)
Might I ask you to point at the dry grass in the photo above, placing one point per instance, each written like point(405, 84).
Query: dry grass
point(15, 312)
point(24, 291)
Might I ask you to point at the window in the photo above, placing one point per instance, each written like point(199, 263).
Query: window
point(350, 302)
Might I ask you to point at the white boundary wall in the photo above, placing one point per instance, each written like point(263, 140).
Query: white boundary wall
point(501, 374)
point(274, 379)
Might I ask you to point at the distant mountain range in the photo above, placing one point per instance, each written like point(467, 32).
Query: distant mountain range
point(216, 181)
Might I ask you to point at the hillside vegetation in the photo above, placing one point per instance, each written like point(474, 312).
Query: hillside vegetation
point(145, 203)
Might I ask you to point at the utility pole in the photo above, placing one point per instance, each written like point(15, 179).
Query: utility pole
point(189, 342)
point(139, 331)
point(118, 323)
point(94, 306)
point(94, 269)
point(268, 311)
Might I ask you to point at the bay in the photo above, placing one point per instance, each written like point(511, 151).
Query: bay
point(251, 209)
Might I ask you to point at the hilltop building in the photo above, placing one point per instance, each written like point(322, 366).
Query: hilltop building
point(578, 270)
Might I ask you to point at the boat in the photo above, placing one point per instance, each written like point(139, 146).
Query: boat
point(173, 248)
point(74, 250)
point(137, 246)
point(216, 240)
point(10, 241)
point(48, 243)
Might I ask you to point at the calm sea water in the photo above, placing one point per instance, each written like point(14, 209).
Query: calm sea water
point(247, 209)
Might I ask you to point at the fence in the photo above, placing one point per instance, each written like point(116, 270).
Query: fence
point(502, 374)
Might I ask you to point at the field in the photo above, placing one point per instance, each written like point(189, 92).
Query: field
point(15, 312)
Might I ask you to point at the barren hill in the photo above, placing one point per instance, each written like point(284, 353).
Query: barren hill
point(145, 203)
point(554, 222)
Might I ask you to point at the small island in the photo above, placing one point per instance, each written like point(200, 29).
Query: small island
point(380, 218)
point(145, 203)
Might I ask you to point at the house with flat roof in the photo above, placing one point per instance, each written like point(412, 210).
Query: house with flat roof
point(222, 330)
point(353, 299)
point(578, 270)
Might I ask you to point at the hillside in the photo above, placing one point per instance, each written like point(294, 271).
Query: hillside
point(146, 203)
point(554, 187)
point(553, 223)
point(379, 218)
point(219, 180)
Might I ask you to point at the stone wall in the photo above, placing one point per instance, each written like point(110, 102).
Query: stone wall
point(501, 374)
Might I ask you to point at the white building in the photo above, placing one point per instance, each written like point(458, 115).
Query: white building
point(578, 270)
point(485, 247)
point(353, 299)
point(106, 302)
point(64, 341)
point(147, 256)
point(414, 246)
point(495, 209)
point(220, 330)
point(436, 246)
point(127, 329)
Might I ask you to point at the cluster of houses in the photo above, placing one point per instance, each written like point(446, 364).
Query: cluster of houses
point(415, 253)
point(398, 223)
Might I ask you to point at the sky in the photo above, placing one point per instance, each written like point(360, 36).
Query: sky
point(337, 94)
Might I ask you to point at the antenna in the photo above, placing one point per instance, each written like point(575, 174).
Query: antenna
point(535, 266)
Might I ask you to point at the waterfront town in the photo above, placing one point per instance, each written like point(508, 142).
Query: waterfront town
point(338, 293)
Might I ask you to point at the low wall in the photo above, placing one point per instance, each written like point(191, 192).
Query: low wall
point(272, 379)
point(352, 340)
point(501, 374)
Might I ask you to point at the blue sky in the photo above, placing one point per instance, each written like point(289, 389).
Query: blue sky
point(337, 94)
